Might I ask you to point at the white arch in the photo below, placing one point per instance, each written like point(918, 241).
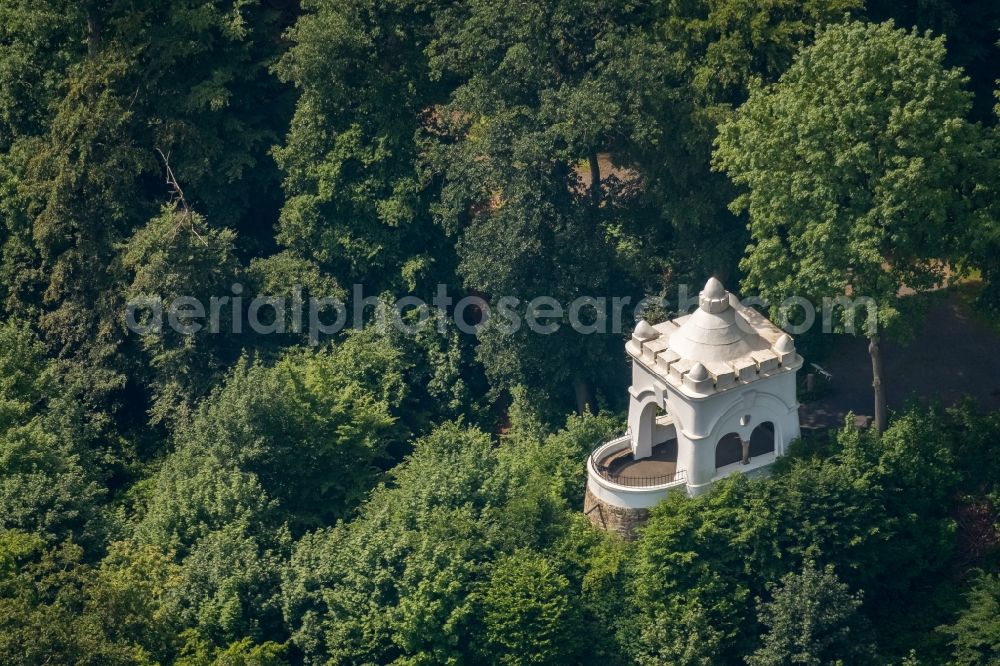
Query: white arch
point(718, 443)
point(774, 436)
point(765, 407)
point(642, 422)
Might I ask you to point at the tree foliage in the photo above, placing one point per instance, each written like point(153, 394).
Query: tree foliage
point(409, 492)
point(357, 201)
point(975, 635)
point(50, 482)
point(529, 612)
point(858, 151)
point(812, 619)
point(107, 85)
point(856, 165)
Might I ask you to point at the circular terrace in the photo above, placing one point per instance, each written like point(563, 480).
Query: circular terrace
point(614, 463)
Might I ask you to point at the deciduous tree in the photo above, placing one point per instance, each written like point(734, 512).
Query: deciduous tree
point(854, 169)
point(813, 619)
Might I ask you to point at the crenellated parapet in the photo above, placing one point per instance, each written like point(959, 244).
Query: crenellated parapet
point(712, 393)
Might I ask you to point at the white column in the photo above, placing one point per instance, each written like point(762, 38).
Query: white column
point(641, 420)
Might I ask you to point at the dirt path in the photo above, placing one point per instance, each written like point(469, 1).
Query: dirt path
point(953, 356)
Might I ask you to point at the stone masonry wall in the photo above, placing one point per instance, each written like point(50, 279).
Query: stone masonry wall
point(613, 518)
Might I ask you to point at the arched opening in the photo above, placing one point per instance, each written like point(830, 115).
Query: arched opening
point(762, 439)
point(729, 450)
point(641, 421)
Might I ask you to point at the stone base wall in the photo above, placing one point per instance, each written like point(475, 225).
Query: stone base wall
point(612, 518)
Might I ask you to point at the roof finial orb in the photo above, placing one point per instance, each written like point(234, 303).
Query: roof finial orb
point(713, 298)
point(713, 288)
point(784, 344)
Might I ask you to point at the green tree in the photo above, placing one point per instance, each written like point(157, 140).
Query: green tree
point(194, 494)
point(177, 255)
point(975, 635)
point(983, 245)
point(46, 486)
point(40, 595)
point(426, 567)
point(553, 460)
point(435, 377)
point(854, 168)
point(689, 572)
point(687, 639)
point(399, 581)
point(288, 445)
point(875, 508)
point(243, 652)
point(971, 29)
point(517, 146)
point(813, 619)
point(678, 77)
point(223, 533)
point(309, 428)
point(48, 614)
point(50, 484)
point(357, 201)
point(129, 610)
point(107, 85)
point(529, 612)
point(229, 582)
point(128, 603)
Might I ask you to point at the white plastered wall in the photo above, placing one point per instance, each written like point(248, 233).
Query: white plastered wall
point(700, 423)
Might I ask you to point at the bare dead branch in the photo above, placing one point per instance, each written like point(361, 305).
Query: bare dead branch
point(177, 197)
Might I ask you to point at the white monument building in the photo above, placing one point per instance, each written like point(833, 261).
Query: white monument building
point(712, 393)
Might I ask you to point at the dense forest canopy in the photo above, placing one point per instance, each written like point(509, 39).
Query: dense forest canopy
point(283, 478)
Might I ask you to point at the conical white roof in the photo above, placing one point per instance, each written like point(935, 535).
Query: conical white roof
point(715, 332)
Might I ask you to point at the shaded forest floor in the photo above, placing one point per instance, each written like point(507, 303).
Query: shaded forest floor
point(954, 354)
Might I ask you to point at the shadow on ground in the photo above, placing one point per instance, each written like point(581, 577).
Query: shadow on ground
point(954, 355)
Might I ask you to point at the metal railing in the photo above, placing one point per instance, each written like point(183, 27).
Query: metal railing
point(631, 480)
